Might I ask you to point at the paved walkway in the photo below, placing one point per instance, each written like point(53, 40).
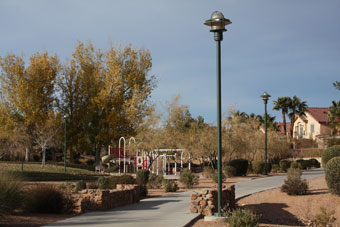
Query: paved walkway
point(171, 210)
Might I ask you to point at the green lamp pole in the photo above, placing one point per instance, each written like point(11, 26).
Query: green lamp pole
point(265, 98)
point(217, 22)
point(65, 142)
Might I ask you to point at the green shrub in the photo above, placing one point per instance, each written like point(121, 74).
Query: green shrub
point(123, 179)
point(44, 199)
point(285, 164)
point(324, 218)
point(142, 176)
point(315, 163)
point(80, 185)
point(103, 183)
point(243, 218)
point(303, 163)
point(330, 153)
point(155, 181)
point(170, 186)
point(143, 190)
point(241, 166)
point(229, 171)
point(294, 185)
point(90, 162)
point(208, 171)
point(215, 177)
point(11, 194)
point(295, 165)
point(188, 178)
point(332, 175)
point(258, 167)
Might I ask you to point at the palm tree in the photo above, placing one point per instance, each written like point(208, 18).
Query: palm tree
point(297, 107)
point(283, 104)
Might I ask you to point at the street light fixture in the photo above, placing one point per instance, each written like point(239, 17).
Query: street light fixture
point(265, 98)
point(217, 22)
point(65, 141)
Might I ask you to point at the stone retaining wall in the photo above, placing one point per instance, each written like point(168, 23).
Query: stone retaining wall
point(205, 201)
point(97, 199)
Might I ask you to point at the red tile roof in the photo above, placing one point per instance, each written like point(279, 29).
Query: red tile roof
point(319, 113)
point(282, 131)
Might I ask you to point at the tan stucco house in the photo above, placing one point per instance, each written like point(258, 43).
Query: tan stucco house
point(313, 125)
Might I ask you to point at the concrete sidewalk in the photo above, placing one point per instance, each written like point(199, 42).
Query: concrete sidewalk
point(171, 210)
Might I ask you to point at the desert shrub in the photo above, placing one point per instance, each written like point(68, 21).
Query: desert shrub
point(170, 186)
point(90, 162)
point(155, 181)
point(123, 179)
point(294, 185)
point(229, 171)
point(243, 217)
point(330, 153)
point(295, 165)
point(92, 185)
point(142, 176)
point(332, 175)
point(208, 171)
point(80, 185)
point(258, 167)
point(188, 178)
point(285, 164)
point(103, 183)
point(241, 166)
point(315, 163)
point(294, 173)
point(215, 177)
point(11, 194)
point(44, 199)
point(276, 168)
point(324, 218)
point(66, 187)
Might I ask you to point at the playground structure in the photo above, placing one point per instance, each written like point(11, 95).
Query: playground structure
point(145, 160)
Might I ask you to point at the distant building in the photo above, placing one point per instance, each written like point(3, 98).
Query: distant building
point(312, 126)
point(282, 130)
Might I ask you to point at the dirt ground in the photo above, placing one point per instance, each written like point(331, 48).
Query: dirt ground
point(280, 209)
point(277, 208)
point(32, 220)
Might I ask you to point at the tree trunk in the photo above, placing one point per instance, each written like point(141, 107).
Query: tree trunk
point(27, 155)
point(43, 157)
point(284, 122)
point(292, 120)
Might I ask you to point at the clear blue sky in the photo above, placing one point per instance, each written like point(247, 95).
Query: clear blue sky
point(283, 47)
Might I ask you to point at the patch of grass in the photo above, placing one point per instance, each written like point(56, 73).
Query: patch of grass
point(51, 172)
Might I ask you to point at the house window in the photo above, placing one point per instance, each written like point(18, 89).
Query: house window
point(312, 128)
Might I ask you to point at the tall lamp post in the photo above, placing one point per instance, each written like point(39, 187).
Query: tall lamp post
point(65, 142)
point(265, 98)
point(217, 22)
